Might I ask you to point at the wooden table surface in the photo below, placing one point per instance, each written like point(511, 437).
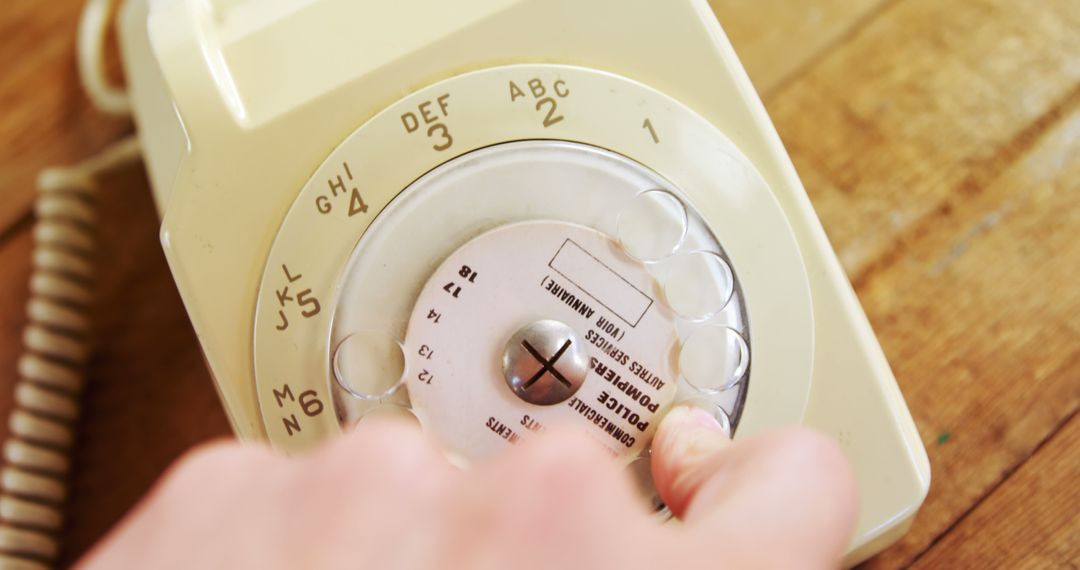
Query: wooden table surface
point(939, 141)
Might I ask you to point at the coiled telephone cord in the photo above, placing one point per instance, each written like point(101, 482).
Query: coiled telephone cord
point(57, 338)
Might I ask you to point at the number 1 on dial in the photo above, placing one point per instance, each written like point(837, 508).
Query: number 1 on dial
point(652, 132)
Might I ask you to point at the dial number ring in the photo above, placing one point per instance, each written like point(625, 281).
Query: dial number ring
point(496, 105)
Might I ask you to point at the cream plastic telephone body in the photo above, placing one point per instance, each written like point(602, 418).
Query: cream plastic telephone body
point(239, 102)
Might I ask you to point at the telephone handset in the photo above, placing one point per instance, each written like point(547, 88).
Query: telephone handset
point(496, 217)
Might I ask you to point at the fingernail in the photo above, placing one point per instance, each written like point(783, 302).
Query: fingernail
point(689, 434)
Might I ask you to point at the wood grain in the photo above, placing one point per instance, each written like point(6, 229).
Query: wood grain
point(927, 105)
point(929, 100)
point(776, 39)
point(1031, 521)
point(910, 156)
point(939, 142)
point(981, 321)
point(46, 119)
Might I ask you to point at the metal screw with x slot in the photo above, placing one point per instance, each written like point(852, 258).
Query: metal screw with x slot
point(549, 384)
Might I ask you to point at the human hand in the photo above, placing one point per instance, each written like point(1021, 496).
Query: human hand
point(384, 497)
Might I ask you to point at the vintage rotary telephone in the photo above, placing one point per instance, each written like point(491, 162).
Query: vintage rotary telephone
point(497, 215)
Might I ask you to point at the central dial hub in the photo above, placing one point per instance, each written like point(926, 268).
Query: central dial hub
point(545, 362)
